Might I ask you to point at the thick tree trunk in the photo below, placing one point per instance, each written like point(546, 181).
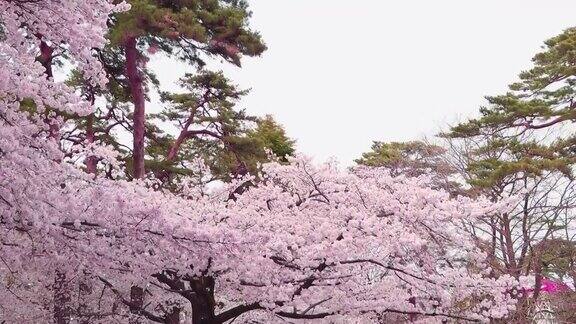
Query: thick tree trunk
point(138, 119)
point(61, 298)
point(136, 301)
point(135, 81)
point(202, 313)
point(174, 316)
point(202, 301)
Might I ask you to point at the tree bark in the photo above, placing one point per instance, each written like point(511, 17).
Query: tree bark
point(84, 292)
point(138, 119)
point(173, 151)
point(136, 301)
point(91, 161)
point(61, 299)
point(202, 301)
point(46, 59)
point(90, 138)
point(135, 82)
point(173, 317)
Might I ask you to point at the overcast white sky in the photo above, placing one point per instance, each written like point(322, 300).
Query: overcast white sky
point(340, 74)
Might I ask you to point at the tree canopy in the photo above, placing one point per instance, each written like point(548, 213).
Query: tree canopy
point(93, 229)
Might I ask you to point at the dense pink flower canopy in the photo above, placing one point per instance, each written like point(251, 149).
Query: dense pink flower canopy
point(306, 242)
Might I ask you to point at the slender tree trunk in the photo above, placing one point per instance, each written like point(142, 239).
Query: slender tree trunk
point(84, 292)
point(173, 151)
point(90, 138)
point(509, 247)
point(135, 81)
point(46, 59)
point(61, 299)
point(137, 93)
point(164, 175)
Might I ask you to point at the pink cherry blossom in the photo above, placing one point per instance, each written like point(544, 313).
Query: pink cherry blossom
point(306, 241)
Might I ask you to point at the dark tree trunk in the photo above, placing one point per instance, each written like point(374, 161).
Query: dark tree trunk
point(136, 302)
point(61, 291)
point(84, 292)
point(90, 138)
point(91, 161)
point(135, 82)
point(173, 317)
point(46, 59)
point(137, 93)
point(61, 299)
point(202, 301)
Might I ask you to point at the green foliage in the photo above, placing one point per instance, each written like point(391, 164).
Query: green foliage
point(544, 96)
point(390, 154)
point(186, 28)
point(517, 125)
point(416, 156)
point(501, 159)
point(557, 63)
point(212, 128)
point(505, 112)
point(558, 258)
point(270, 135)
point(28, 105)
point(490, 172)
point(189, 30)
point(412, 159)
point(206, 92)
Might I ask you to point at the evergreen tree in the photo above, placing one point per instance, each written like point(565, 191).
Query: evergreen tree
point(531, 120)
point(522, 145)
point(205, 118)
point(413, 159)
point(272, 136)
point(188, 30)
point(210, 127)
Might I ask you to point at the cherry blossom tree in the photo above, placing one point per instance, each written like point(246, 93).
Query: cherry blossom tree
point(33, 33)
point(305, 242)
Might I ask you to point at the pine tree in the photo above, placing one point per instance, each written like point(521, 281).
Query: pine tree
point(522, 145)
point(185, 29)
point(528, 120)
point(210, 127)
point(413, 159)
point(272, 136)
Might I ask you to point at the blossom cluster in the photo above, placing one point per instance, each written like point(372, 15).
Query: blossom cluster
point(301, 242)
